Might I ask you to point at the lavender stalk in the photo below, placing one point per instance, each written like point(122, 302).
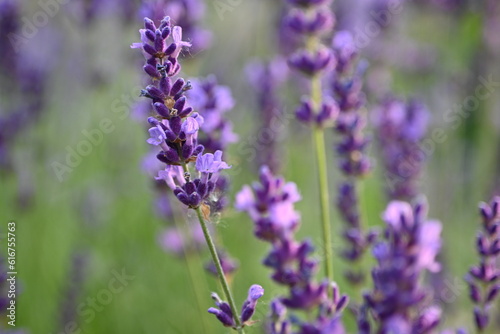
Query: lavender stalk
point(311, 19)
point(270, 204)
point(175, 131)
point(398, 302)
point(484, 279)
point(400, 128)
point(347, 84)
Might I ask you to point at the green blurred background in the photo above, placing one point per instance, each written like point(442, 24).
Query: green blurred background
point(74, 234)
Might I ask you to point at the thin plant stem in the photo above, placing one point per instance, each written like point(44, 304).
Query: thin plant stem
point(220, 272)
point(319, 145)
point(193, 265)
point(322, 171)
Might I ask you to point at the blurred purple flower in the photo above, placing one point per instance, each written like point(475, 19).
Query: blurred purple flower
point(484, 279)
point(266, 79)
point(410, 246)
point(400, 127)
point(270, 204)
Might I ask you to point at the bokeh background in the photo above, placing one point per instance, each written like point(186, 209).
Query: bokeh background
point(78, 229)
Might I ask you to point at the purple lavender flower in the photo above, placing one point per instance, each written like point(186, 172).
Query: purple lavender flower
point(176, 129)
point(311, 20)
point(194, 193)
point(484, 279)
point(266, 79)
point(225, 315)
point(186, 14)
point(346, 84)
point(400, 128)
point(410, 246)
point(212, 101)
point(22, 81)
point(270, 205)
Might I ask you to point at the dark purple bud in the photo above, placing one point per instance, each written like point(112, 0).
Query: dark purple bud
point(149, 24)
point(495, 207)
point(203, 190)
point(161, 109)
point(178, 190)
point(150, 35)
point(184, 199)
point(165, 85)
point(170, 49)
point(190, 187)
point(153, 121)
point(311, 63)
point(179, 104)
point(175, 124)
point(225, 319)
point(185, 112)
point(328, 113)
point(162, 156)
point(170, 136)
point(165, 32)
point(154, 92)
point(493, 293)
point(481, 244)
point(480, 318)
point(172, 155)
point(248, 309)
point(199, 149)
point(165, 22)
point(151, 71)
point(159, 41)
point(304, 112)
point(177, 87)
point(149, 49)
point(194, 200)
point(187, 151)
point(485, 211)
point(474, 293)
point(342, 303)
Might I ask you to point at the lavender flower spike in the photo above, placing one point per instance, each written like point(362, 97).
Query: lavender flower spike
point(175, 130)
point(346, 85)
point(400, 127)
point(224, 313)
point(270, 204)
point(484, 279)
point(311, 20)
point(410, 247)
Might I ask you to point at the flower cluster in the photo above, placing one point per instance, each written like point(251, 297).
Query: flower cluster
point(224, 313)
point(266, 79)
point(22, 81)
point(186, 14)
point(175, 129)
point(346, 86)
point(400, 128)
point(311, 20)
point(484, 279)
point(410, 246)
point(212, 101)
point(270, 204)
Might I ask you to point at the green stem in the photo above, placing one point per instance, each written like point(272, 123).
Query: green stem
point(193, 264)
point(319, 143)
point(312, 44)
point(220, 272)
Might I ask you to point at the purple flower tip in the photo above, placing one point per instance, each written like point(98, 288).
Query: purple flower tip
point(211, 163)
point(157, 135)
point(255, 292)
